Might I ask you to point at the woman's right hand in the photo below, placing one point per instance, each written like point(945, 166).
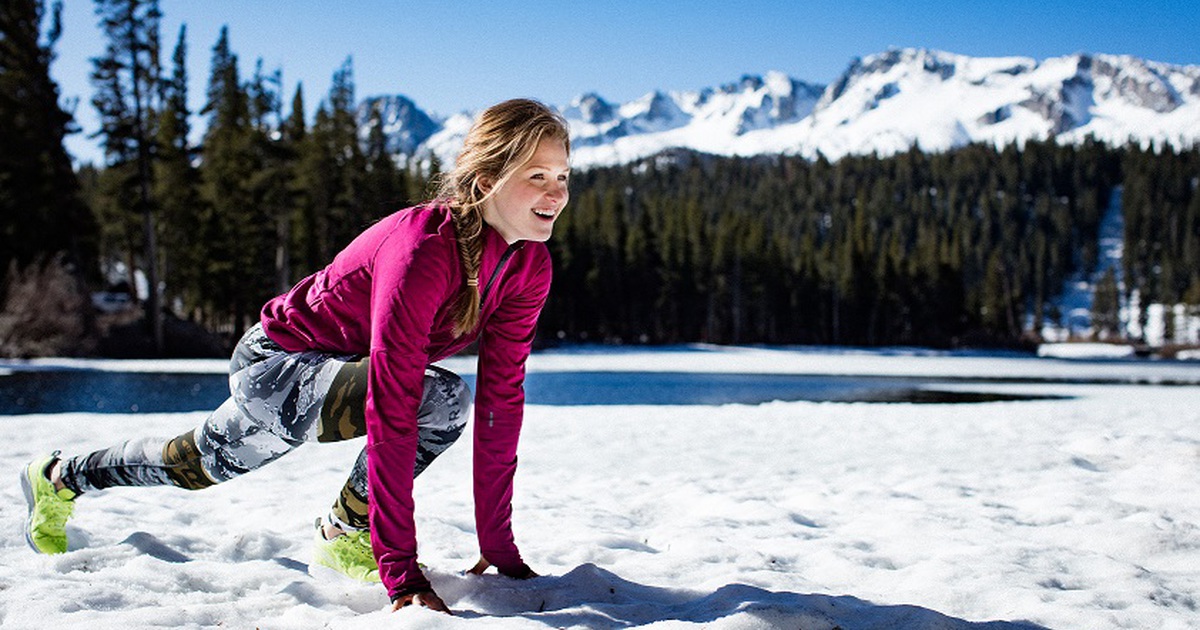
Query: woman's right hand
point(428, 599)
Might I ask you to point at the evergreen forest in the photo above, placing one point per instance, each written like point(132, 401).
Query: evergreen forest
point(968, 247)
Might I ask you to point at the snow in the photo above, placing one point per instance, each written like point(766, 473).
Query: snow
point(1085, 350)
point(1078, 512)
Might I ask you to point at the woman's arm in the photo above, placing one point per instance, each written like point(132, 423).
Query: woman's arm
point(499, 409)
point(409, 283)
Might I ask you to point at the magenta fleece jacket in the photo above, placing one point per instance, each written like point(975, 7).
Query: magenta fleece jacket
point(389, 295)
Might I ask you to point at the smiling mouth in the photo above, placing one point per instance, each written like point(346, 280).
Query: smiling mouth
point(545, 214)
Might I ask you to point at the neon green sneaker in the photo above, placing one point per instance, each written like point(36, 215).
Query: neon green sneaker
point(349, 554)
point(45, 530)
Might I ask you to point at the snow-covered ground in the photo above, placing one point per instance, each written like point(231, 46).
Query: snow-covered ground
point(1063, 513)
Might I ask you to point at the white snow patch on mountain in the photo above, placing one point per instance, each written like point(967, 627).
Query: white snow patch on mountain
point(883, 103)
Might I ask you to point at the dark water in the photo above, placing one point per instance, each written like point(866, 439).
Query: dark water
point(59, 391)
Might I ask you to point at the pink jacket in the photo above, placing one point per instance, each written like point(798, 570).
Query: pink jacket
point(389, 295)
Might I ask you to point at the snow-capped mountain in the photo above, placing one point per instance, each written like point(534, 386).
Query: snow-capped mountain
point(937, 101)
point(883, 103)
point(710, 120)
point(406, 126)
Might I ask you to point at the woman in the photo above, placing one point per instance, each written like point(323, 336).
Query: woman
point(347, 352)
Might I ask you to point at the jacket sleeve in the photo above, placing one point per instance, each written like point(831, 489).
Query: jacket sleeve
point(408, 284)
point(499, 409)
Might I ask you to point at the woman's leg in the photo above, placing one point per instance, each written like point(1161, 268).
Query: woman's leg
point(343, 540)
point(279, 400)
point(275, 405)
point(276, 399)
point(441, 418)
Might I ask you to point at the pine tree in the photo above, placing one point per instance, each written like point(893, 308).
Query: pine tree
point(126, 77)
point(315, 177)
point(386, 185)
point(1106, 306)
point(176, 189)
point(292, 139)
point(348, 214)
point(233, 221)
point(271, 185)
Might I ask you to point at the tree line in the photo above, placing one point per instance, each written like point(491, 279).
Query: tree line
point(968, 246)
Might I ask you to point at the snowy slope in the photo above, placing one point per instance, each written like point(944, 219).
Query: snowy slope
point(883, 103)
point(1067, 513)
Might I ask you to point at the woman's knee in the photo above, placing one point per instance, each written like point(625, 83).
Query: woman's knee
point(447, 399)
point(229, 443)
point(451, 387)
point(285, 393)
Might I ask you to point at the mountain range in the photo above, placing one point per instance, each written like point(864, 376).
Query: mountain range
point(883, 103)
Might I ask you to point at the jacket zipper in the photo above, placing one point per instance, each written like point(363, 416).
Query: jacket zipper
point(508, 253)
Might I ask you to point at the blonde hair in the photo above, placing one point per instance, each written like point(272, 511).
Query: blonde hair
point(502, 138)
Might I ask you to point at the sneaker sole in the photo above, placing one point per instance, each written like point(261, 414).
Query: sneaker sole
point(27, 490)
point(316, 566)
point(326, 573)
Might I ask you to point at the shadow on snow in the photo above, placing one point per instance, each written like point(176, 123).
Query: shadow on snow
point(592, 597)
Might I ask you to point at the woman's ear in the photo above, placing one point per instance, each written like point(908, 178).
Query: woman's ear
point(485, 184)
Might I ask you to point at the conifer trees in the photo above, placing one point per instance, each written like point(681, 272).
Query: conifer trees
point(964, 246)
point(231, 227)
point(46, 233)
point(41, 213)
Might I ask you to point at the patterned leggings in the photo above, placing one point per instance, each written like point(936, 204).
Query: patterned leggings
point(279, 401)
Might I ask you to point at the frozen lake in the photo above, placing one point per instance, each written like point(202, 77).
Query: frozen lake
point(105, 391)
point(1078, 510)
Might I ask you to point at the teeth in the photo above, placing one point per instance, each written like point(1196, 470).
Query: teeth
point(544, 213)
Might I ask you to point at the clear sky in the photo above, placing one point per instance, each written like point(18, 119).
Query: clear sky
point(449, 56)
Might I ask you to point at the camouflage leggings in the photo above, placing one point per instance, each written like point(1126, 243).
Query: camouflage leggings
point(279, 401)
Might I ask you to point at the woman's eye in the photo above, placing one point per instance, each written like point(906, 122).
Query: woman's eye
point(538, 176)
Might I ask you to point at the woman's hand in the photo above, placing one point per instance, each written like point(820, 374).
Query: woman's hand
point(483, 565)
point(480, 566)
point(428, 599)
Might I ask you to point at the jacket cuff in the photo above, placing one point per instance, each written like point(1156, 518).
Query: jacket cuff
point(509, 564)
point(411, 589)
point(521, 572)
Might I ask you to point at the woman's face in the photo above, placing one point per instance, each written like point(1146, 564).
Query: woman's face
point(525, 206)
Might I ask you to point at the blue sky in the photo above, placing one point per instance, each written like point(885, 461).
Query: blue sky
point(450, 56)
